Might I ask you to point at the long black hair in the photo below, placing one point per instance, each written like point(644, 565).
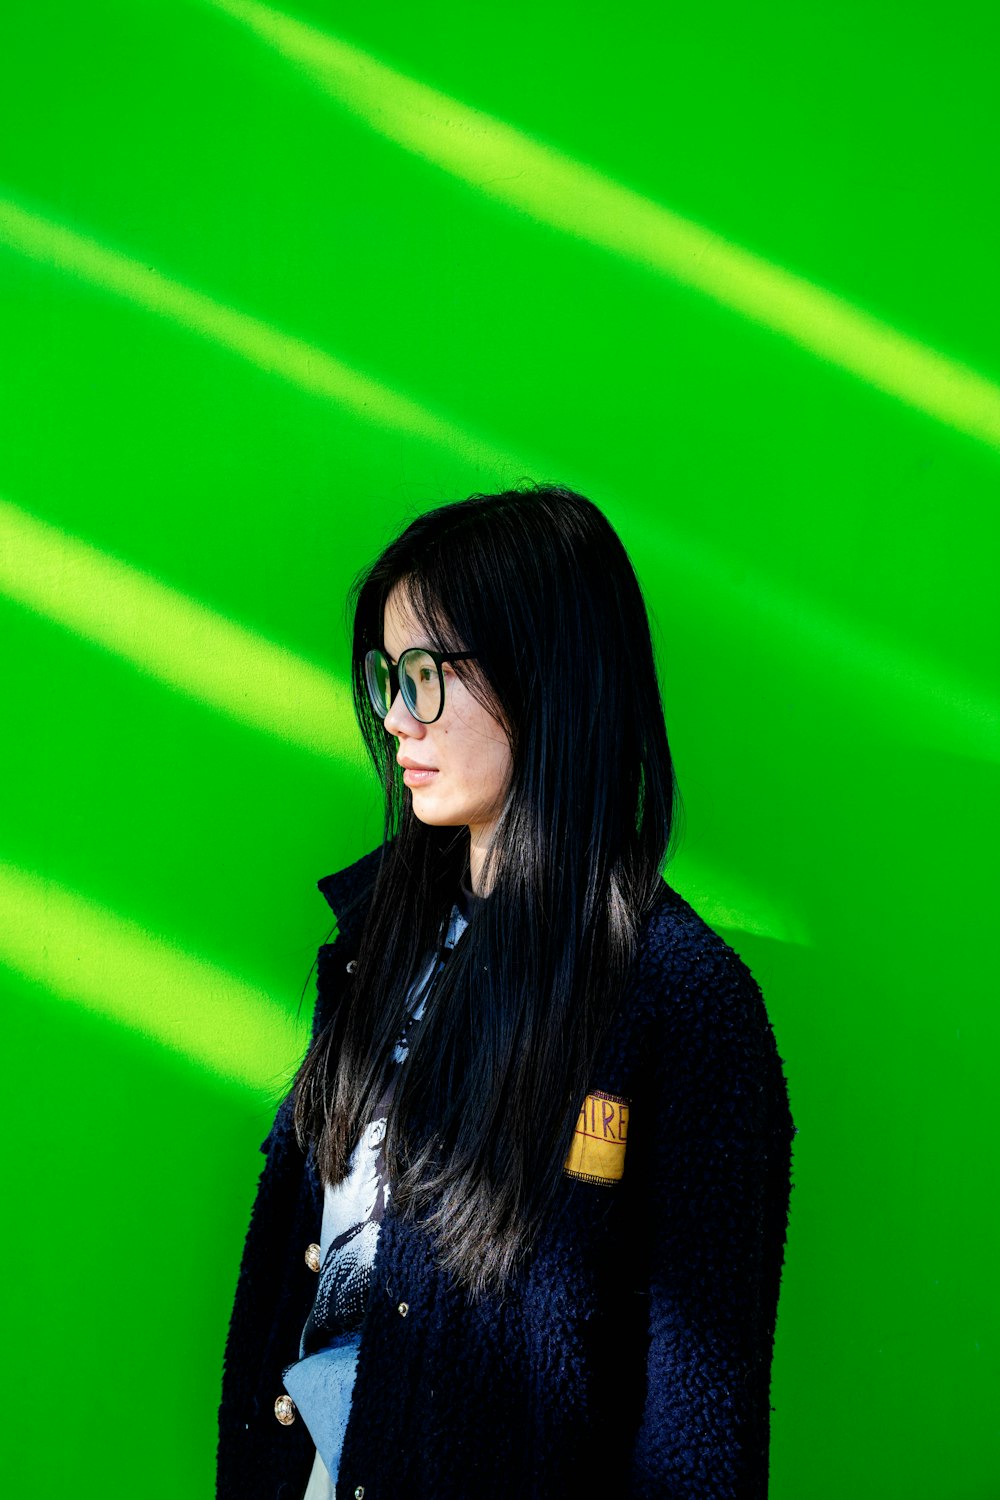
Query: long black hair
point(536, 582)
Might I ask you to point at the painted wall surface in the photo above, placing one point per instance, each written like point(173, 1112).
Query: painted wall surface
point(271, 283)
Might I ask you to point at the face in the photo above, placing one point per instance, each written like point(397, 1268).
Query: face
point(466, 747)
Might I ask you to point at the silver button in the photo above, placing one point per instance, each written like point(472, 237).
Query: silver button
point(403, 1309)
point(352, 965)
point(359, 1493)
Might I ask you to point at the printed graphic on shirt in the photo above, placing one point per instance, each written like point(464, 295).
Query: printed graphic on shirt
point(353, 1211)
point(597, 1151)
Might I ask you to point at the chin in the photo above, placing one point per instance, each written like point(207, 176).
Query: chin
point(437, 817)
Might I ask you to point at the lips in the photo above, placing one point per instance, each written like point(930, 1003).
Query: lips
point(415, 778)
point(412, 765)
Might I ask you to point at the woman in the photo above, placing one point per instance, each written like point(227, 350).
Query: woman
point(522, 1221)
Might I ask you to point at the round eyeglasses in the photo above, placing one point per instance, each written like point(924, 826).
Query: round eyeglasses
point(417, 675)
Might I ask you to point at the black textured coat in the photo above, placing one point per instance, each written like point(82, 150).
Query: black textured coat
point(634, 1357)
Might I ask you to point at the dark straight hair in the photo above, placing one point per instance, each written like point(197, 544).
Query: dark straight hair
point(537, 584)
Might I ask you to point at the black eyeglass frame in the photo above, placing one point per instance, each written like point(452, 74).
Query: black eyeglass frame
point(437, 657)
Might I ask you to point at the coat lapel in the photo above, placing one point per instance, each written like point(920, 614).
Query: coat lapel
point(348, 891)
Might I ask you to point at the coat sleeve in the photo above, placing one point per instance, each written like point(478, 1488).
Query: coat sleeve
point(718, 1168)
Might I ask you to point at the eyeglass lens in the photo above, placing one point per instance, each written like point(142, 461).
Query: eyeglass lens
point(419, 682)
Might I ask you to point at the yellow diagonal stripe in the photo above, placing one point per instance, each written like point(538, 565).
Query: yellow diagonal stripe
point(302, 364)
point(173, 638)
point(508, 165)
point(117, 969)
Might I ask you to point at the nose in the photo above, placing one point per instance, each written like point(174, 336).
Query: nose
point(399, 720)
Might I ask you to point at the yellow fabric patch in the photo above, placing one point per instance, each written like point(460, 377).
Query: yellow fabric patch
point(597, 1152)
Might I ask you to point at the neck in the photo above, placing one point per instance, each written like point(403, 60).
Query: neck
point(479, 843)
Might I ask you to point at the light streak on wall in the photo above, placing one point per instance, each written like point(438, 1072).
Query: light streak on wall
point(173, 638)
point(117, 969)
point(302, 364)
point(507, 165)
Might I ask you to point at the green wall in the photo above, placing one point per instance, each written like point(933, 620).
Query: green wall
point(269, 285)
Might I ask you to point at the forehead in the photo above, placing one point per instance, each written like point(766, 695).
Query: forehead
point(400, 625)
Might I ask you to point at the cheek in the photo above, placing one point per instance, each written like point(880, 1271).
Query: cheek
point(479, 763)
point(497, 767)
